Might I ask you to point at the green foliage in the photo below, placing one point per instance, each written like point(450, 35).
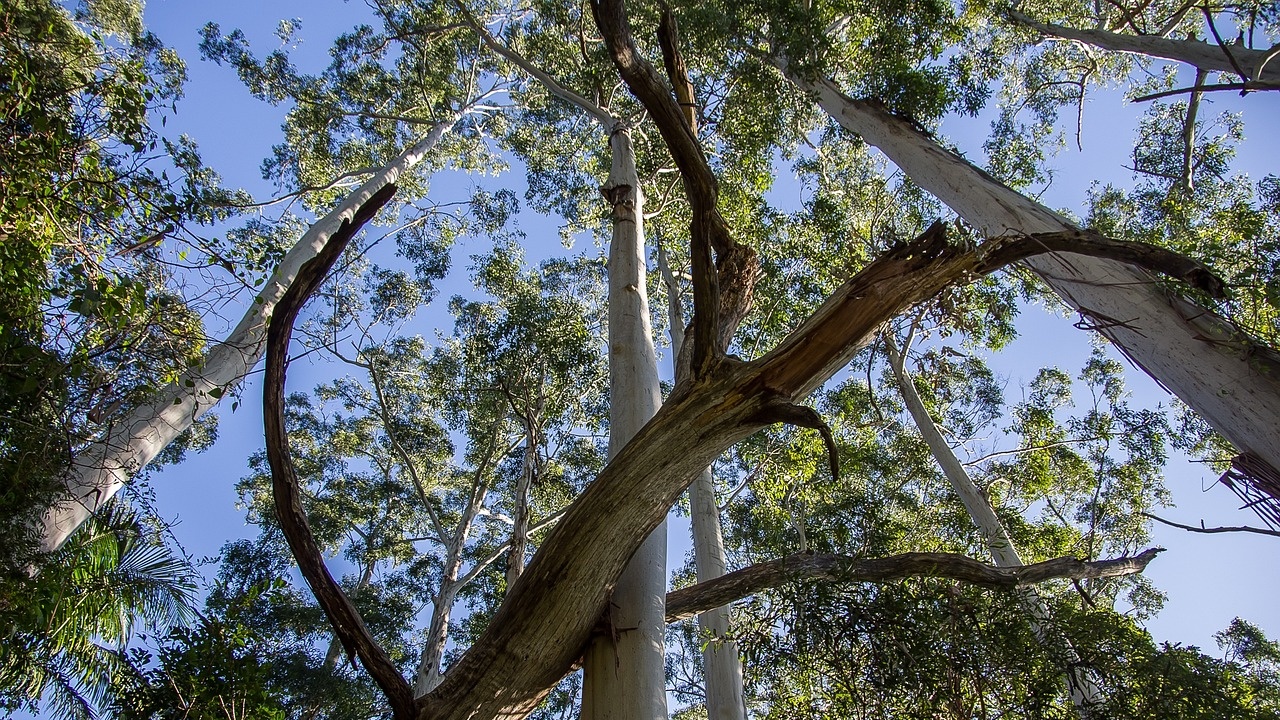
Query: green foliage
point(66, 630)
point(416, 465)
point(1228, 221)
point(88, 322)
point(212, 671)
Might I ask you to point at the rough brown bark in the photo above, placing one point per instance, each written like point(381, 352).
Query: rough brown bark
point(543, 625)
point(687, 602)
point(342, 614)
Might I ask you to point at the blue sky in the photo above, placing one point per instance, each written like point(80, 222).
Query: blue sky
point(1209, 578)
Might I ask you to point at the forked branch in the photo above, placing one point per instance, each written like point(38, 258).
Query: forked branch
point(723, 284)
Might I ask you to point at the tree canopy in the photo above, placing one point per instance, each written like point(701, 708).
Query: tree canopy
point(544, 267)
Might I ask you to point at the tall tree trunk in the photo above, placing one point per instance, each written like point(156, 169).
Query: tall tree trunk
point(428, 675)
point(1198, 54)
point(1186, 181)
point(520, 517)
point(624, 674)
point(99, 471)
point(1084, 692)
point(721, 661)
point(1232, 383)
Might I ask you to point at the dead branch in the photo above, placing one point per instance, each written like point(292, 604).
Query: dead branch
point(347, 624)
point(1213, 530)
point(690, 601)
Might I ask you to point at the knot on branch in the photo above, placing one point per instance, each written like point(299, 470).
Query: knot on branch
point(738, 268)
point(930, 245)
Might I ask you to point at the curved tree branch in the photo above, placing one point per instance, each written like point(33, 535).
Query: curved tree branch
point(347, 623)
point(689, 601)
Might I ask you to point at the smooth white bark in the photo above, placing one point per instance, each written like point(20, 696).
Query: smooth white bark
point(1084, 692)
point(624, 674)
point(1232, 383)
point(1258, 64)
point(99, 471)
point(721, 659)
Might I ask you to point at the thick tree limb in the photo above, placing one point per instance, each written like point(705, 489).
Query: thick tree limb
point(347, 623)
point(677, 71)
point(1231, 380)
point(1250, 64)
point(133, 440)
point(1009, 249)
point(551, 611)
point(687, 602)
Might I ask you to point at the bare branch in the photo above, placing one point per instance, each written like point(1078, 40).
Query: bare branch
point(690, 601)
point(1203, 529)
point(1244, 87)
point(1213, 28)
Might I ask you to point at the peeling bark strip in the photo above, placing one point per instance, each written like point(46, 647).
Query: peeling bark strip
point(100, 470)
point(687, 602)
point(1202, 358)
point(1192, 52)
point(347, 623)
point(540, 630)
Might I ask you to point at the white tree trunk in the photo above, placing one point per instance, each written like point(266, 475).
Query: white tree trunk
point(102, 468)
point(624, 674)
point(721, 661)
point(1231, 382)
point(429, 675)
point(1084, 692)
point(1202, 55)
point(520, 515)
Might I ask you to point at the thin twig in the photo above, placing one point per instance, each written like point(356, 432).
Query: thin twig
point(1202, 529)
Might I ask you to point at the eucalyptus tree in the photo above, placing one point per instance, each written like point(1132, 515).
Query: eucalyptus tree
point(623, 670)
point(356, 131)
point(518, 383)
point(91, 320)
point(427, 65)
point(551, 611)
point(819, 47)
point(1083, 689)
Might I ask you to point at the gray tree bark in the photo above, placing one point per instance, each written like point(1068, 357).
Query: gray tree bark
point(131, 442)
point(1233, 383)
point(1198, 54)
